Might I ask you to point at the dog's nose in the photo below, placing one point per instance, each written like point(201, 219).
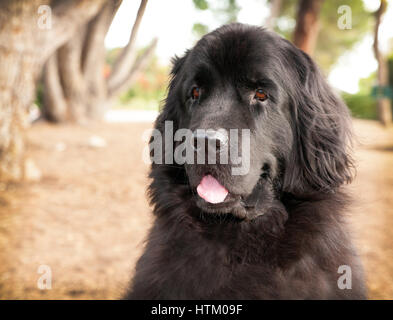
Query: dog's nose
point(209, 139)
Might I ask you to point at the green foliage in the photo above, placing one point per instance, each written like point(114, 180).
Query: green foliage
point(149, 88)
point(286, 22)
point(224, 11)
point(361, 105)
point(366, 84)
point(332, 41)
point(39, 97)
point(229, 11)
point(201, 4)
point(200, 29)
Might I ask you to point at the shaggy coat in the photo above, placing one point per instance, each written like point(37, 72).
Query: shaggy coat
point(282, 235)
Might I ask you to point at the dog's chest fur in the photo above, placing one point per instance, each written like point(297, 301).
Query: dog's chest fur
point(269, 258)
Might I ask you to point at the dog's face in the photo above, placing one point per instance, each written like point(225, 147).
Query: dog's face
point(230, 83)
point(252, 82)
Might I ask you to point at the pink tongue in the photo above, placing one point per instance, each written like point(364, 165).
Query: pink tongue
point(211, 190)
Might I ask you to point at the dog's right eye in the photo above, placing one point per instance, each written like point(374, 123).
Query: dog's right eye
point(261, 95)
point(195, 93)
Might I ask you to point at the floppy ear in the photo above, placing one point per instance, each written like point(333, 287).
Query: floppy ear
point(320, 159)
point(168, 180)
point(170, 110)
point(171, 106)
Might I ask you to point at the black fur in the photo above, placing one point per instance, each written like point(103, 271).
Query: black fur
point(299, 161)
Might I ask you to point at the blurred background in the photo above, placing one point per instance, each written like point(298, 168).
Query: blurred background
point(81, 82)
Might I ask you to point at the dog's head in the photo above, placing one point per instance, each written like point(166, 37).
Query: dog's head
point(245, 90)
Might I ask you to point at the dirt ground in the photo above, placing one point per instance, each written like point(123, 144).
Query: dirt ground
point(87, 217)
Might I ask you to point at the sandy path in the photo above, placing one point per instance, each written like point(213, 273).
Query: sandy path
point(86, 219)
point(372, 218)
point(88, 216)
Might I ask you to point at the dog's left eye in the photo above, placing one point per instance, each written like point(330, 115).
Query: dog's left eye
point(195, 93)
point(260, 95)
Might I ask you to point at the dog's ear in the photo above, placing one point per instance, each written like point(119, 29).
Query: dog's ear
point(170, 108)
point(320, 159)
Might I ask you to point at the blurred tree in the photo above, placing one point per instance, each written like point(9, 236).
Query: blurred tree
point(390, 65)
point(77, 87)
point(200, 29)
point(332, 41)
point(149, 87)
point(384, 108)
point(307, 25)
point(224, 11)
point(366, 84)
point(201, 4)
point(30, 31)
point(275, 9)
point(362, 104)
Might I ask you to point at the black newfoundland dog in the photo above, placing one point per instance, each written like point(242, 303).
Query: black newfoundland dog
point(278, 231)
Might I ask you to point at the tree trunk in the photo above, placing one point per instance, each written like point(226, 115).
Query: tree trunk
point(25, 46)
point(17, 83)
point(55, 106)
point(81, 64)
point(70, 69)
point(124, 63)
point(307, 25)
point(82, 60)
point(384, 107)
point(138, 66)
point(93, 60)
